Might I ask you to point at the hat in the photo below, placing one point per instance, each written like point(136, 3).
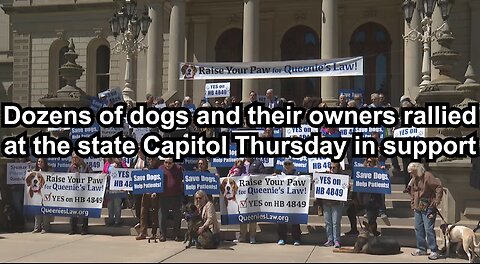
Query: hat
point(405, 98)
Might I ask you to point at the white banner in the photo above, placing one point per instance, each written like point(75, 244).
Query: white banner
point(321, 164)
point(302, 132)
point(273, 69)
point(213, 90)
point(16, 172)
point(265, 198)
point(121, 179)
point(409, 132)
point(331, 186)
point(64, 194)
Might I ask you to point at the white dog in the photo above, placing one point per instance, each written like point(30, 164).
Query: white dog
point(229, 190)
point(461, 235)
point(35, 183)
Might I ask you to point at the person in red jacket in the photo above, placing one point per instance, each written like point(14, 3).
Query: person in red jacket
point(172, 197)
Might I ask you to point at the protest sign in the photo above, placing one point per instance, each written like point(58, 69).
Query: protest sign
point(365, 131)
point(331, 186)
point(371, 180)
point(194, 181)
point(62, 164)
point(111, 96)
point(321, 164)
point(226, 162)
point(121, 179)
point(64, 194)
point(409, 132)
point(139, 132)
point(265, 198)
point(213, 90)
point(147, 181)
point(16, 172)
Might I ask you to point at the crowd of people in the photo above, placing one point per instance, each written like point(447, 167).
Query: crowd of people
point(152, 209)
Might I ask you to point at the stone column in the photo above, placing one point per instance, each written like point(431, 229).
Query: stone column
point(475, 37)
point(176, 49)
point(329, 48)
point(437, 21)
point(200, 30)
point(155, 50)
point(251, 41)
point(412, 61)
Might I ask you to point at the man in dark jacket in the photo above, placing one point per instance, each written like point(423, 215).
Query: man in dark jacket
point(172, 197)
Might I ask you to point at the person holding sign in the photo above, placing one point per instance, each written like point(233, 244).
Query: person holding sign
point(42, 222)
point(78, 165)
point(150, 204)
point(172, 196)
point(332, 213)
point(289, 169)
point(114, 197)
point(371, 202)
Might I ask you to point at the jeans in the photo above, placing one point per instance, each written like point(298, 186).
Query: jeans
point(424, 227)
point(42, 222)
point(114, 208)
point(333, 220)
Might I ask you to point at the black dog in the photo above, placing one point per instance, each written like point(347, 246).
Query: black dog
point(194, 222)
point(380, 245)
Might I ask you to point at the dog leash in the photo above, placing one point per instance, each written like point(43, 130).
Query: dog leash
point(441, 216)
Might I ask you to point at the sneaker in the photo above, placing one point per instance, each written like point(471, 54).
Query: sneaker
point(434, 256)
point(337, 245)
point(352, 233)
point(419, 252)
point(329, 243)
point(281, 242)
point(43, 231)
point(385, 219)
point(84, 232)
point(296, 243)
point(253, 241)
point(36, 231)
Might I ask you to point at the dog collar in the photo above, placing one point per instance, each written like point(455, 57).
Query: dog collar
point(37, 191)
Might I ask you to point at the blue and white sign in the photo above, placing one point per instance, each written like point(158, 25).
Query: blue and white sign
point(409, 132)
point(97, 103)
point(302, 132)
point(64, 194)
point(194, 181)
point(371, 180)
point(110, 131)
point(226, 162)
point(366, 131)
point(83, 132)
point(147, 181)
point(213, 90)
point(331, 186)
point(265, 198)
point(351, 93)
point(121, 179)
point(111, 96)
point(321, 164)
point(62, 164)
point(16, 172)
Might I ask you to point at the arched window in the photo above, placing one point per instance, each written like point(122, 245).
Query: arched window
point(300, 43)
point(229, 48)
point(372, 41)
point(56, 59)
point(98, 66)
point(103, 68)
